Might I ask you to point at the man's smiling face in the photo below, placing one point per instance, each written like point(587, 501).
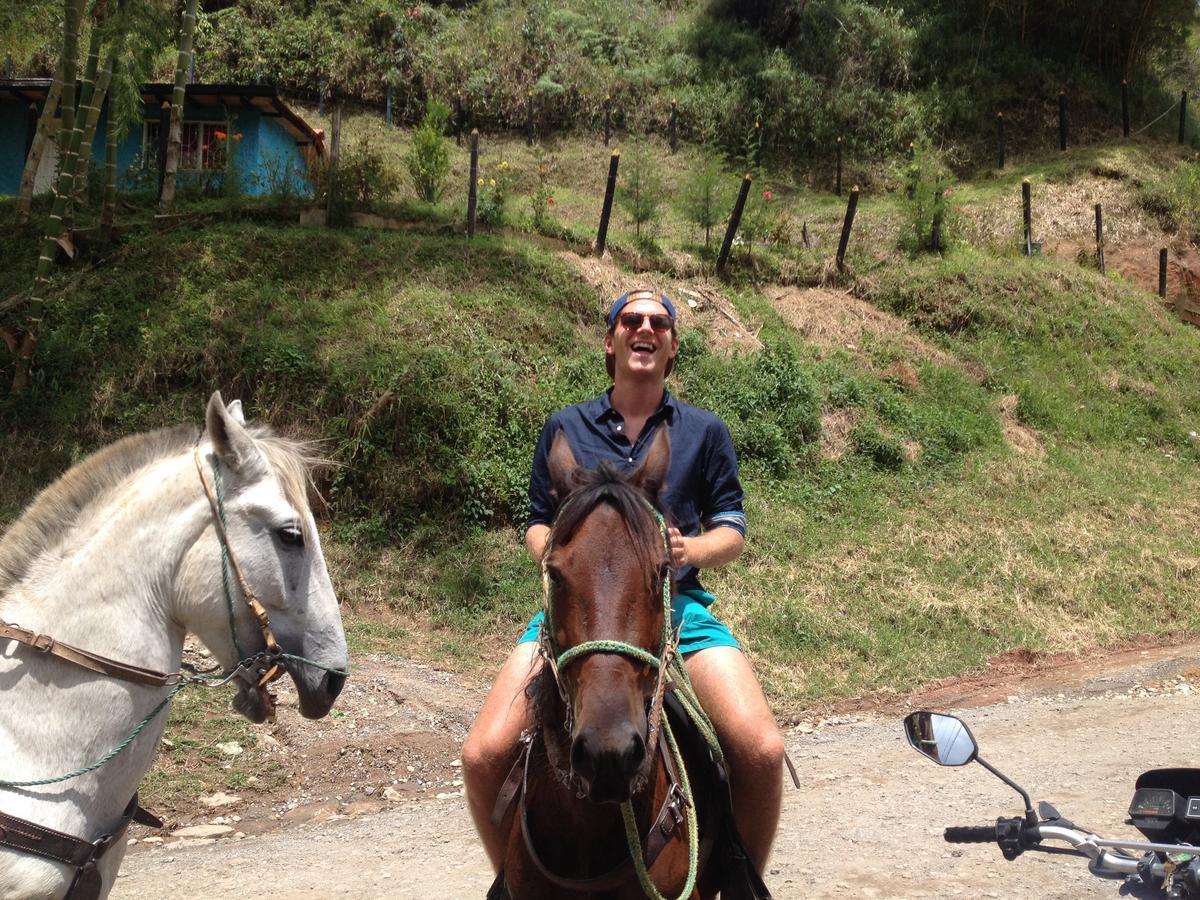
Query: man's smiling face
point(639, 350)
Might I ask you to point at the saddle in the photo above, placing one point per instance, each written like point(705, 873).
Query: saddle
point(738, 878)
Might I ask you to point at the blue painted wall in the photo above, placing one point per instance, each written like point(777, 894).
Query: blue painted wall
point(12, 145)
point(267, 158)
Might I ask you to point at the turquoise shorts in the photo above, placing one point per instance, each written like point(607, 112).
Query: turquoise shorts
point(700, 628)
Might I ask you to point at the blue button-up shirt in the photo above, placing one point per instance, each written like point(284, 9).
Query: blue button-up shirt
point(702, 489)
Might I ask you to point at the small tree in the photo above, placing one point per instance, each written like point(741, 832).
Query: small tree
point(704, 200)
point(429, 159)
point(642, 191)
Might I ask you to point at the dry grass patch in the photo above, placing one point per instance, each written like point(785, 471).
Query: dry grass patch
point(833, 319)
point(837, 426)
point(1019, 436)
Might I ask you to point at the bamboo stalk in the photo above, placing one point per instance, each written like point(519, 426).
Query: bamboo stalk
point(37, 150)
point(167, 197)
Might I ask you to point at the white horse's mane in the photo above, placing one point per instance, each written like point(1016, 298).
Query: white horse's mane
point(53, 513)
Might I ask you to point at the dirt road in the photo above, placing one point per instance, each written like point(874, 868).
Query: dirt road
point(867, 823)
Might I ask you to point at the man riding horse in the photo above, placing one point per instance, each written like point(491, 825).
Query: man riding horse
point(703, 500)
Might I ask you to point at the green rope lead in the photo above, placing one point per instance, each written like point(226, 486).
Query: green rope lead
point(107, 756)
point(693, 831)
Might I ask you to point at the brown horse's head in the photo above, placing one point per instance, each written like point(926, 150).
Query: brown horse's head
point(606, 566)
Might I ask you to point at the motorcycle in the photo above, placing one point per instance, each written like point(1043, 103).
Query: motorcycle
point(1165, 809)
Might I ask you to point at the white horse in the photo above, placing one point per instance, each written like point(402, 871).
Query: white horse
point(122, 557)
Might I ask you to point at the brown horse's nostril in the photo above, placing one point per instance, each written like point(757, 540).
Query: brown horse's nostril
point(609, 762)
point(334, 682)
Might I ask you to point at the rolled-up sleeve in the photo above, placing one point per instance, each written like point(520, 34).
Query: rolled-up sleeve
point(723, 505)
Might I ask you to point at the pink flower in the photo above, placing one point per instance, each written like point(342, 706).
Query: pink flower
point(766, 195)
point(947, 192)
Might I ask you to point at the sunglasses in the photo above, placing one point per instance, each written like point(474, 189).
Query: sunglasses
point(633, 321)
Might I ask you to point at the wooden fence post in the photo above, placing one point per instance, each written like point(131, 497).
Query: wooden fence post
point(8, 67)
point(1162, 273)
point(1100, 238)
point(837, 182)
point(458, 119)
point(1027, 216)
point(999, 140)
point(606, 210)
point(673, 126)
point(735, 219)
point(847, 224)
point(1182, 116)
point(1062, 120)
point(472, 187)
point(1125, 108)
point(387, 109)
point(335, 140)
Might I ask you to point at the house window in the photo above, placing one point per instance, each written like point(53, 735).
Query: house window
point(201, 146)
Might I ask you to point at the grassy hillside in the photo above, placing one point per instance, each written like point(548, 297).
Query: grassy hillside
point(947, 456)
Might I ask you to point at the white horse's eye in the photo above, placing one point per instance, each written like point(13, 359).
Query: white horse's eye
point(290, 536)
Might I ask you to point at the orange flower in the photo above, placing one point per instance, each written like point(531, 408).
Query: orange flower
point(220, 135)
point(238, 136)
point(549, 201)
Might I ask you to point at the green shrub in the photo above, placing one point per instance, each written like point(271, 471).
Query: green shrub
point(640, 190)
point(704, 200)
point(492, 196)
point(429, 159)
point(929, 211)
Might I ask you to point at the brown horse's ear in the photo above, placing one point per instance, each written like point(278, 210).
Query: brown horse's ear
point(652, 473)
point(562, 466)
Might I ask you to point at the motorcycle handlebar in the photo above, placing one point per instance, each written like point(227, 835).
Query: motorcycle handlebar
point(971, 834)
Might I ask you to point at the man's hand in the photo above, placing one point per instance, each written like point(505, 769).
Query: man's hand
point(679, 548)
point(714, 547)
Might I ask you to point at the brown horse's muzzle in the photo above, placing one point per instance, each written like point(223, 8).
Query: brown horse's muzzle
point(609, 761)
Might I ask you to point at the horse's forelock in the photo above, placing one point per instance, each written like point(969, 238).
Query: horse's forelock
point(293, 462)
point(607, 484)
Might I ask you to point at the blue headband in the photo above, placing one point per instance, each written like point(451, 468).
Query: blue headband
point(639, 294)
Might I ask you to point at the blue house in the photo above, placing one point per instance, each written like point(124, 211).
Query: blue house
point(244, 130)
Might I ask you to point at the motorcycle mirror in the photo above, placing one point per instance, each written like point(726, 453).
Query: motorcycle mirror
point(944, 739)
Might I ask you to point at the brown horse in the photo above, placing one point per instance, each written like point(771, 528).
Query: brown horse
point(596, 743)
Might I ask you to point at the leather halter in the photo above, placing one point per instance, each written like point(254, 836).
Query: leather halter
point(38, 840)
point(256, 608)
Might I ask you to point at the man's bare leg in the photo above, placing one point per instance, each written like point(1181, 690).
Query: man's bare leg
point(491, 746)
point(750, 739)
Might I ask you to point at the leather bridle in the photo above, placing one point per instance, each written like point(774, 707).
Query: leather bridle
point(257, 670)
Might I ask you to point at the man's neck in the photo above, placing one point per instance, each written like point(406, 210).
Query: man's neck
point(637, 399)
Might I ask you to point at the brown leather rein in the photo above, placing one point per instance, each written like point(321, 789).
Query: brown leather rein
point(257, 670)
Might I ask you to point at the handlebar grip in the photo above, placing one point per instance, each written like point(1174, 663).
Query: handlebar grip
point(971, 834)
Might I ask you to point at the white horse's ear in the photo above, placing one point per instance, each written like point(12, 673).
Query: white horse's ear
point(230, 440)
point(235, 410)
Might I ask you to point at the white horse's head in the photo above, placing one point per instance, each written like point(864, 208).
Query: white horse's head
point(262, 482)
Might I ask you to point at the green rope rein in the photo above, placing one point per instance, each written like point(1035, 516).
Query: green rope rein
point(677, 676)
